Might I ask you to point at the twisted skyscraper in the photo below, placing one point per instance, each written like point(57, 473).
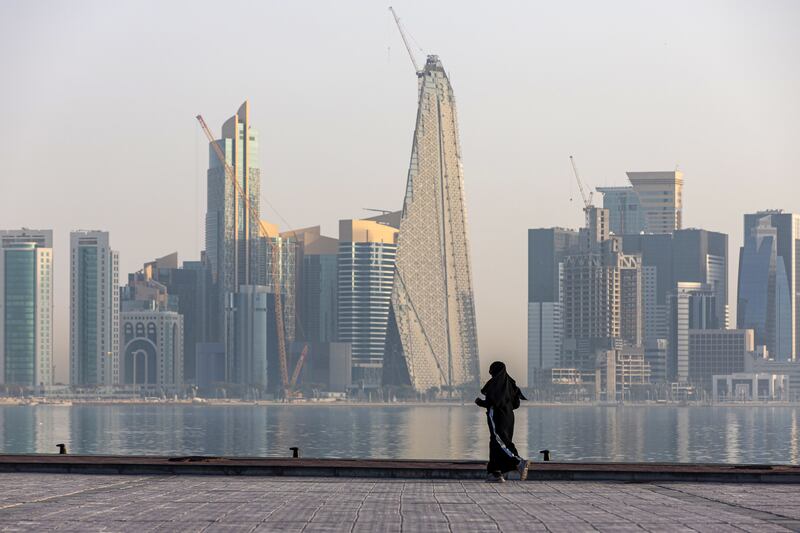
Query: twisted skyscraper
point(432, 339)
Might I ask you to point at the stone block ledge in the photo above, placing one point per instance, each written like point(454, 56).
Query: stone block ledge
point(391, 468)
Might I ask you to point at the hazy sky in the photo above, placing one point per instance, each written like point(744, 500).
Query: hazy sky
point(98, 99)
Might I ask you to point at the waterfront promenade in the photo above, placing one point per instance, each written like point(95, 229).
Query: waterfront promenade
point(86, 503)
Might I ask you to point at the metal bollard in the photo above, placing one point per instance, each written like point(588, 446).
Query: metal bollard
point(546, 454)
point(62, 449)
point(295, 452)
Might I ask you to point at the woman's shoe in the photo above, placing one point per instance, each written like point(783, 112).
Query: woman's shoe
point(522, 468)
point(495, 478)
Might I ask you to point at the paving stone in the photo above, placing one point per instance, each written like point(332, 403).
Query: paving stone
point(62, 502)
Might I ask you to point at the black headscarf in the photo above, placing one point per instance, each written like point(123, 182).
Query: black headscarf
point(501, 390)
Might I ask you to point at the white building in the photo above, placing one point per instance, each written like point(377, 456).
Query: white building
point(152, 349)
point(26, 307)
point(94, 310)
point(366, 273)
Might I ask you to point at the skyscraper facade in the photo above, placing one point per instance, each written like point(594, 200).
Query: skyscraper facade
point(276, 255)
point(693, 307)
point(657, 281)
point(702, 256)
point(366, 270)
point(94, 310)
point(433, 336)
point(317, 285)
point(602, 303)
point(626, 216)
point(764, 302)
point(547, 248)
point(717, 352)
point(661, 198)
point(152, 350)
point(247, 336)
point(26, 308)
point(232, 230)
point(152, 345)
point(788, 248)
point(191, 285)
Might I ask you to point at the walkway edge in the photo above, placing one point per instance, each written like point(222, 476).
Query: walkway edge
point(397, 469)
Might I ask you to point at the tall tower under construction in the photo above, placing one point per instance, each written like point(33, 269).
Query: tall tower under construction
point(232, 230)
point(432, 338)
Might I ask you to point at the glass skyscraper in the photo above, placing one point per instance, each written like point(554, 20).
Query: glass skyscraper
point(787, 227)
point(232, 230)
point(764, 302)
point(317, 285)
point(625, 213)
point(26, 308)
point(94, 310)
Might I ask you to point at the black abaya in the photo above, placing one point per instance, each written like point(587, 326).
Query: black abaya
point(502, 397)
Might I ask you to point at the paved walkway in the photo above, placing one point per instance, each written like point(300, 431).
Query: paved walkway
point(63, 502)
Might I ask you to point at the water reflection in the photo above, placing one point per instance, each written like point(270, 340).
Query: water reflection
point(627, 433)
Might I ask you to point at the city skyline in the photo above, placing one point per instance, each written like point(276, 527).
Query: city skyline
point(714, 148)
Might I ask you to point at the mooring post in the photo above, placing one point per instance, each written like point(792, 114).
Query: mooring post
point(295, 452)
point(545, 454)
point(62, 449)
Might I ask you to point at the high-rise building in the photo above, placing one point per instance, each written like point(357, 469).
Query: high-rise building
point(433, 340)
point(657, 282)
point(547, 248)
point(702, 256)
point(764, 301)
point(191, 285)
point(692, 307)
point(26, 307)
point(316, 285)
point(602, 294)
point(653, 203)
point(152, 349)
point(625, 213)
point(94, 310)
point(281, 247)
point(247, 336)
point(232, 230)
point(660, 198)
point(602, 304)
point(366, 270)
point(788, 248)
point(689, 255)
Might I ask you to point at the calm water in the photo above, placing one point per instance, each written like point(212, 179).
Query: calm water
point(659, 433)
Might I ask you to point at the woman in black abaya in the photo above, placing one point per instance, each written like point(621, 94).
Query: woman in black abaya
point(502, 397)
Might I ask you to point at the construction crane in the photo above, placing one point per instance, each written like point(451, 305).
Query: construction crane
point(276, 284)
point(587, 200)
point(405, 41)
point(298, 367)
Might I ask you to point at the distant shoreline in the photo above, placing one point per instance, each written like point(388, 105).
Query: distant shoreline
point(30, 402)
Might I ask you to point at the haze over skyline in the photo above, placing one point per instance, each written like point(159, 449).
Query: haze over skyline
point(99, 100)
